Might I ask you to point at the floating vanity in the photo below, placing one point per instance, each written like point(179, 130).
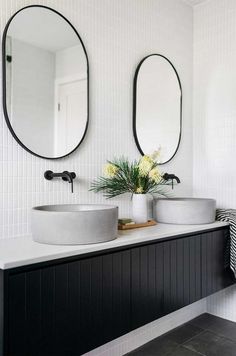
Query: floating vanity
point(67, 300)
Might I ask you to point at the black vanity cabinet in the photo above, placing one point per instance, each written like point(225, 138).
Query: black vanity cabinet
point(69, 307)
point(72, 305)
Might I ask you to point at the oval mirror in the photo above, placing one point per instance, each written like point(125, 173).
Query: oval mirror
point(45, 82)
point(157, 108)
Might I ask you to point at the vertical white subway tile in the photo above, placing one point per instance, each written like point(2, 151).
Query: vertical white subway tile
point(214, 126)
point(116, 34)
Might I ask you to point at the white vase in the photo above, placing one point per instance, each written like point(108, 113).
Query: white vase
point(140, 208)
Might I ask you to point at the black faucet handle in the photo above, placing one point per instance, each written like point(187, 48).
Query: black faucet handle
point(48, 175)
point(72, 174)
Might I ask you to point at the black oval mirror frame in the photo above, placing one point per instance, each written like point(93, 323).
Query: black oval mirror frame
point(135, 104)
point(4, 81)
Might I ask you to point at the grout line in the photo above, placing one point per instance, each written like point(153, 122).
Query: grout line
point(187, 323)
point(191, 338)
point(184, 344)
point(194, 351)
point(221, 335)
point(214, 332)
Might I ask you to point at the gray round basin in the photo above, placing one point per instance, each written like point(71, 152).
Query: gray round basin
point(185, 211)
point(72, 224)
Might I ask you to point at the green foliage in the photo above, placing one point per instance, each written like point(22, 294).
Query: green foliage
point(125, 177)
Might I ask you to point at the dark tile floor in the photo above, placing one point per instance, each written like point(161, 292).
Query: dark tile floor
point(207, 335)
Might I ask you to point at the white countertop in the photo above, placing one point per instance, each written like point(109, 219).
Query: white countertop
point(23, 251)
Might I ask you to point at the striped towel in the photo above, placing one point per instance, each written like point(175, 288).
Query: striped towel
point(229, 215)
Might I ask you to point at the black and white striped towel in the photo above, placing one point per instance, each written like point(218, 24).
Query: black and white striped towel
point(229, 215)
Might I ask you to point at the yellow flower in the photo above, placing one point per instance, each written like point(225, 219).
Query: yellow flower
point(110, 170)
point(139, 190)
point(156, 155)
point(155, 175)
point(145, 165)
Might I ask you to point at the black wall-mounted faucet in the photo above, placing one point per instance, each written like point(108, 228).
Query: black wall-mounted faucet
point(67, 176)
point(171, 177)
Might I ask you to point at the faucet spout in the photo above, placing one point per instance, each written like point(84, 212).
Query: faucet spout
point(171, 177)
point(69, 176)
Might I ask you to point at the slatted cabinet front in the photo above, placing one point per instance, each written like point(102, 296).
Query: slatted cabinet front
point(73, 306)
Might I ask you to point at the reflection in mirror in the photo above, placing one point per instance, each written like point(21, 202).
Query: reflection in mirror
point(45, 73)
point(157, 107)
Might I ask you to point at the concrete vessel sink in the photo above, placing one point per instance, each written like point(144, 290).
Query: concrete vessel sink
point(185, 211)
point(73, 224)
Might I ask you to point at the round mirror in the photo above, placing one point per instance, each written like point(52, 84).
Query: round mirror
point(45, 82)
point(157, 107)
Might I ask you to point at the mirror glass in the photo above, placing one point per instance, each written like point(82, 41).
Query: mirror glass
point(157, 107)
point(45, 80)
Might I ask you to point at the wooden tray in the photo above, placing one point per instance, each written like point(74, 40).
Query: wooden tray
point(135, 226)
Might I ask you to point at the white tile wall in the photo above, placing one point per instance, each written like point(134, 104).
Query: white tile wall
point(117, 34)
point(223, 303)
point(215, 101)
point(214, 127)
